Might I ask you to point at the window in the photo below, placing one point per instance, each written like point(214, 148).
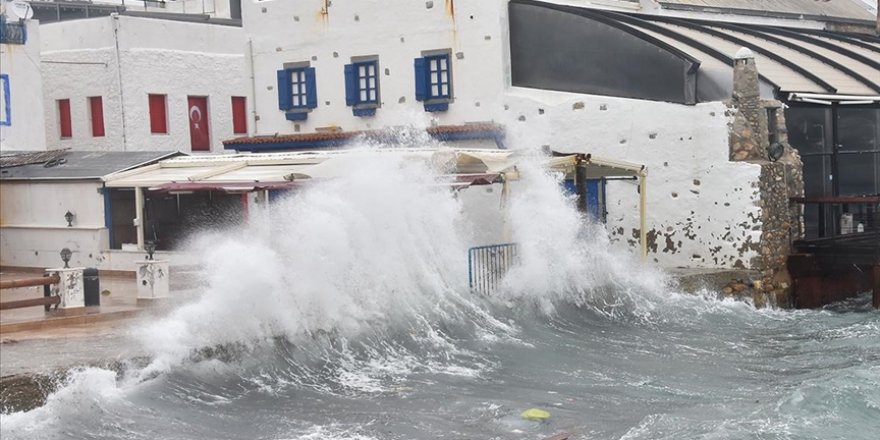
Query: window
point(434, 81)
point(297, 93)
point(65, 126)
point(158, 117)
point(362, 87)
point(96, 107)
point(5, 101)
point(239, 115)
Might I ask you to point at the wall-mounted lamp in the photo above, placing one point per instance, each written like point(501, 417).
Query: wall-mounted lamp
point(775, 151)
point(65, 257)
point(150, 247)
point(69, 217)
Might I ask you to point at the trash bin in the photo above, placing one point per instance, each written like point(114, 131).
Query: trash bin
point(91, 287)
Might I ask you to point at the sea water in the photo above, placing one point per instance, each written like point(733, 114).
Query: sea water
point(345, 313)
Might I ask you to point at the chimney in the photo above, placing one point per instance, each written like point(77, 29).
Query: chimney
point(749, 136)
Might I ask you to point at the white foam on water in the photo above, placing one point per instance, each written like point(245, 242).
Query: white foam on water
point(331, 432)
point(85, 396)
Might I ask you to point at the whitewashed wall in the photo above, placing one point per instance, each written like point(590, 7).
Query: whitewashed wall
point(397, 31)
point(702, 208)
point(22, 65)
point(33, 229)
point(178, 59)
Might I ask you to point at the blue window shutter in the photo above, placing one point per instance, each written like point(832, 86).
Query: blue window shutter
point(311, 91)
point(421, 68)
point(351, 91)
point(285, 94)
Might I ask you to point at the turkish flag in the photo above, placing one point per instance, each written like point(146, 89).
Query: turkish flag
point(200, 139)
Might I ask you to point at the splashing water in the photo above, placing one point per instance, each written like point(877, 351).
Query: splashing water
point(344, 313)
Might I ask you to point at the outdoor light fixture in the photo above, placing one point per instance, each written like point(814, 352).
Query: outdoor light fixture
point(150, 247)
point(65, 257)
point(69, 217)
point(775, 151)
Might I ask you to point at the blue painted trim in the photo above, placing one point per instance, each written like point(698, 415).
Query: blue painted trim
point(7, 104)
point(369, 111)
point(108, 215)
point(437, 107)
point(296, 116)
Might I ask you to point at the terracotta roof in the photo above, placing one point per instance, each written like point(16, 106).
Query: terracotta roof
point(437, 131)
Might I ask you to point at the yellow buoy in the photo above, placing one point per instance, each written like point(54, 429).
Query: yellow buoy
point(535, 414)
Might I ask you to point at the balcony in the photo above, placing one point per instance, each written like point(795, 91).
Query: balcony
point(12, 33)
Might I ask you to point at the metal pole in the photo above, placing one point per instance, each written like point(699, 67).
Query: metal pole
point(580, 184)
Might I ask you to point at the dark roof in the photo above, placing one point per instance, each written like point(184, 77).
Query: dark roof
point(809, 9)
point(790, 60)
point(332, 139)
point(66, 164)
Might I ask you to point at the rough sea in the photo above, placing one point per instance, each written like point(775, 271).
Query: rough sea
point(346, 314)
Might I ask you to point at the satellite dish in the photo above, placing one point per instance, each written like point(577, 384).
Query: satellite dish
point(20, 10)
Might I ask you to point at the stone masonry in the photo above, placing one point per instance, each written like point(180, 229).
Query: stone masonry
point(781, 178)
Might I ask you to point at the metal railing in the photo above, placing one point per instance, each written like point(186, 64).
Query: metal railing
point(846, 228)
point(487, 265)
point(12, 33)
point(46, 301)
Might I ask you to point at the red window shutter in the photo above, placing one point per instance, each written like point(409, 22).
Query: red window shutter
point(158, 119)
point(239, 115)
point(64, 118)
point(96, 104)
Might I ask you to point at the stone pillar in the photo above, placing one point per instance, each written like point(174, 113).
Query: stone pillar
point(152, 280)
point(781, 177)
point(70, 287)
point(749, 132)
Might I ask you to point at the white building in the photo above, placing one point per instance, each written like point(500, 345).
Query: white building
point(56, 199)
point(572, 76)
point(21, 91)
point(134, 83)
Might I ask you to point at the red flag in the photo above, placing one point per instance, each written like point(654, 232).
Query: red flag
point(200, 139)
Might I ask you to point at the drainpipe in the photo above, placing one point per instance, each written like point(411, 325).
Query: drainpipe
point(115, 17)
point(253, 89)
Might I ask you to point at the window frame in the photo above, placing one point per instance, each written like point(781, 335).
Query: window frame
point(153, 127)
point(7, 100)
point(429, 59)
point(96, 118)
point(297, 90)
point(434, 84)
point(358, 78)
point(363, 88)
point(65, 118)
point(239, 114)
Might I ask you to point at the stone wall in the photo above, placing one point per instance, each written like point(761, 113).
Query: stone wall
point(781, 178)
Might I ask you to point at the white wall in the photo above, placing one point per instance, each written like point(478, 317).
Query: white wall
point(21, 63)
point(178, 59)
point(702, 208)
point(33, 229)
point(297, 31)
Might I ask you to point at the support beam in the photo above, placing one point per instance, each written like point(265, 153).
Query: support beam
point(876, 285)
point(139, 212)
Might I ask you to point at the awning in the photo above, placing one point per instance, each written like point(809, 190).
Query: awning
point(240, 172)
